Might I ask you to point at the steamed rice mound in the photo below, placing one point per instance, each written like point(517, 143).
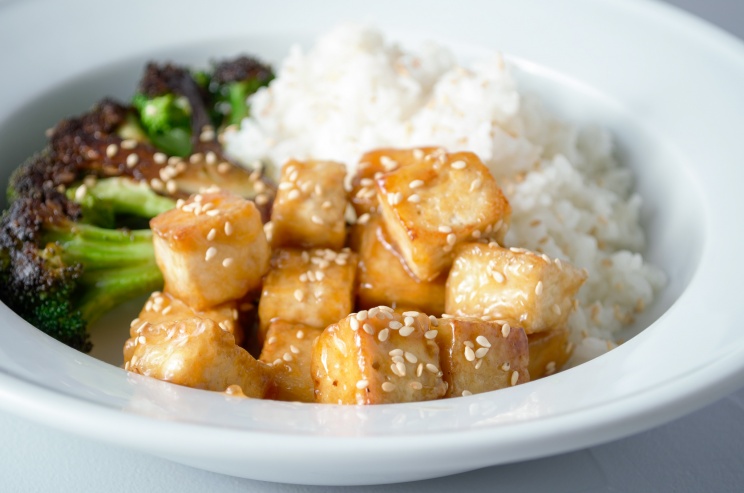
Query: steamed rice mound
point(571, 199)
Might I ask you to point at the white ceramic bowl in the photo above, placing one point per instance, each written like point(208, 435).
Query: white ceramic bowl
point(667, 86)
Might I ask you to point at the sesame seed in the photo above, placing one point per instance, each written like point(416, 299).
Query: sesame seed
point(373, 311)
point(418, 154)
point(406, 331)
point(287, 357)
point(111, 150)
point(506, 366)
point(469, 344)
point(303, 277)
point(396, 371)
point(211, 252)
point(444, 229)
point(132, 160)
point(483, 341)
point(480, 353)
point(293, 194)
point(408, 320)
point(128, 144)
point(299, 295)
point(262, 199)
point(414, 198)
point(362, 315)
point(80, 193)
point(396, 352)
point(514, 378)
point(401, 368)
point(211, 158)
point(227, 262)
point(354, 323)
point(228, 228)
point(430, 334)
point(277, 361)
point(466, 393)
point(368, 329)
point(271, 340)
point(451, 239)
point(556, 309)
point(388, 386)
point(475, 184)
point(469, 354)
point(395, 198)
point(458, 164)
point(388, 163)
point(363, 219)
point(395, 325)
point(361, 384)
point(432, 368)
point(416, 385)
point(212, 234)
point(505, 330)
point(499, 277)
point(294, 349)
point(411, 314)
point(476, 234)
point(433, 320)
point(285, 185)
point(159, 158)
point(416, 184)
point(410, 357)
point(171, 186)
point(196, 157)
point(383, 335)
point(539, 288)
point(156, 184)
point(316, 219)
point(167, 310)
point(366, 182)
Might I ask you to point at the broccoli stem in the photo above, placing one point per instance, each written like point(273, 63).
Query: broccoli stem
point(105, 289)
point(99, 248)
point(122, 196)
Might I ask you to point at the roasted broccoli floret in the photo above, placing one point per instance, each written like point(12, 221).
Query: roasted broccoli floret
point(231, 84)
point(172, 108)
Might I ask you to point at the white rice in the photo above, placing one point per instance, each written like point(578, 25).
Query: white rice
point(354, 92)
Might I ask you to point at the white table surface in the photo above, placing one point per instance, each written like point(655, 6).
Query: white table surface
point(702, 452)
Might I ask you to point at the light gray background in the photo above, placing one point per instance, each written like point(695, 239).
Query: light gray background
point(703, 452)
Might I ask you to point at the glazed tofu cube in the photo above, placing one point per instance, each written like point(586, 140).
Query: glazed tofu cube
point(432, 206)
point(197, 353)
point(517, 286)
point(383, 278)
point(372, 165)
point(309, 210)
point(211, 249)
point(549, 351)
point(288, 350)
point(315, 288)
point(377, 357)
point(164, 308)
point(478, 356)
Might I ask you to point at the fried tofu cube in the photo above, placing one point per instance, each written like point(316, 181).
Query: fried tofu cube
point(522, 288)
point(211, 249)
point(432, 206)
point(310, 206)
point(478, 356)
point(377, 357)
point(549, 351)
point(288, 350)
point(383, 278)
point(315, 288)
point(197, 353)
point(372, 165)
point(165, 308)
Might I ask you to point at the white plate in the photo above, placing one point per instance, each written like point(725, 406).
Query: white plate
point(667, 85)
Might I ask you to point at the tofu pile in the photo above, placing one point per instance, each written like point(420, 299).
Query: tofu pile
point(417, 299)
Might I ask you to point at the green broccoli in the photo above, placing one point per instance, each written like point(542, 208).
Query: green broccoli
point(231, 84)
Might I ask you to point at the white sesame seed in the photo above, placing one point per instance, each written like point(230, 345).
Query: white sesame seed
point(444, 229)
point(406, 331)
point(157, 184)
point(466, 393)
point(212, 234)
point(432, 368)
point(388, 386)
point(556, 309)
point(132, 160)
point(469, 354)
point(383, 335)
point(416, 184)
point(514, 378)
point(271, 340)
point(418, 154)
point(111, 150)
point(550, 368)
point(483, 341)
point(451, 239)
point(480, 353)
point(211, 252)
point(363, 219)
point(80, 193)
point(430, 334)
point(498, 276)
point(469, 344)
point(396, 352)
point(401, 368)
point(167, 310)
point(227, 262)
point(416, 385)
point(316, 219)
point(299, 295)
point(410, 357)
point(368, 329)
point(506, 366)
point(294, 349)
point(539, 288)
point(408, 320)
point(458, 164)
point(396, 371)
point(414, 198)
point(285, 185)
point(366, 182)
point(228, 228)
point(362, 315)
point(293, 194)
point(128, 144)
point(475, 184)
point(361, 384)
point(476, 234)
point(287, 357)
point(505, 330)
point(354, 323)
point(433, 320)
point(411, 314)
point(395, 198)
point(395, 325)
